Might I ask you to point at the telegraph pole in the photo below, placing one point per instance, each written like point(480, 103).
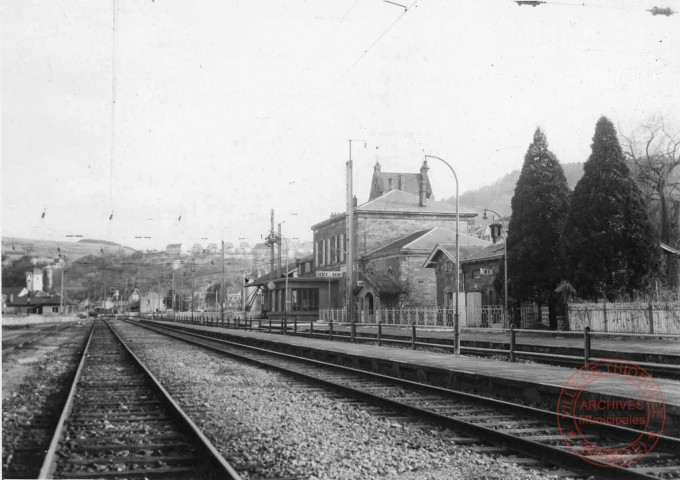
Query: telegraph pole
point(222, 295)
point(278, 272)
point(349, 229)
point(271, 247)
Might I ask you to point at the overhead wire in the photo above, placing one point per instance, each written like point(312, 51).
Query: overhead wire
point(358, 59)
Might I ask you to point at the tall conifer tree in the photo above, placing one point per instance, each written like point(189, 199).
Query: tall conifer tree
point(610, 244)
point(539, 209)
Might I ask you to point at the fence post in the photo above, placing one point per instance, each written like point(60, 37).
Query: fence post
point(270, 325)
point(330, 331)
point(379, 332)
point(651, 318)
point(586, 345)
point(512, 342)
point(295, 326)
point(311, 329)
point(353, 330)
point(413, 335)
point(604, 311)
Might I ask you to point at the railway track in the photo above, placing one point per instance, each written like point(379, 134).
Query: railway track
point(14, 343)
point(525, 430)
point(119, 422)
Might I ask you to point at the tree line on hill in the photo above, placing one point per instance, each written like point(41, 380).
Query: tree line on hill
point(604, 236)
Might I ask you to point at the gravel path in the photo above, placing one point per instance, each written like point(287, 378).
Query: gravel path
point(272, 428)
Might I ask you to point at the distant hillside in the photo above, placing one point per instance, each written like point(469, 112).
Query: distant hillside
point(50, 248)
point(498, 196)
point(99, 242)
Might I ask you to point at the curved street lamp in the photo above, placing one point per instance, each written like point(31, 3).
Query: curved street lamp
point(505, 263)
point(456, 317)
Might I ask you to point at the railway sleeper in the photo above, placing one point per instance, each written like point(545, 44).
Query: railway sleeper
point(135, 447)
point(164, 473)
point(169, 459)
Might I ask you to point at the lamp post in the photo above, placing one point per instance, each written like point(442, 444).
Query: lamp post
point(456, 317)
point(505, 263)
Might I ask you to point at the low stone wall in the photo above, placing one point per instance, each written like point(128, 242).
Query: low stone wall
point(15, 320)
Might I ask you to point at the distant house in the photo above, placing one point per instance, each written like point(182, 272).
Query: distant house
point(152, 302)
point(31, 299)
point(174, 249)
point(18, 300)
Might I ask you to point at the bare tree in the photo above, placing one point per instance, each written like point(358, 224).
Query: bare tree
point(653, 152)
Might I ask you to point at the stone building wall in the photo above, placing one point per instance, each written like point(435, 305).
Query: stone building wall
point(422, 282)
point(376, 231)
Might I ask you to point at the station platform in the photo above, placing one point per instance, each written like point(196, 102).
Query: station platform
point(526, 383)
point(636, 348)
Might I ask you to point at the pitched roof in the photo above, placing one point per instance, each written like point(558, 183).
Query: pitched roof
point(424, 241)
point(34, 301)
point(488, 253)
point(400, 201)
point(449, 250)
point(16, 291)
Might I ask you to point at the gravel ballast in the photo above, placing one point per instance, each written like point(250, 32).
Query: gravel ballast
point(268, 426)
point(35, 384)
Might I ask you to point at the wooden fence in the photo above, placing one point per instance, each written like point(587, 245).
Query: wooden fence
point(631, 317)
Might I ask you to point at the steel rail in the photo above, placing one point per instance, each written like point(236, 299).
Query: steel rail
point(223, 468)
point(604, 428)
point(220, 467)
point(49, 462)
point(547, 453)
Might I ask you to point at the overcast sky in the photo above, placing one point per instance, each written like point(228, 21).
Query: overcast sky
point(225, 110)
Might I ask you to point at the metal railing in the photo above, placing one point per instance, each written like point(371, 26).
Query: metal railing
point(485, 316)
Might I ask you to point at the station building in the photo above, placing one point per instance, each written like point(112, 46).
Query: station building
point(393, 233)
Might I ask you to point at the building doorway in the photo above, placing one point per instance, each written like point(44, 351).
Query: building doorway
point(369, 312)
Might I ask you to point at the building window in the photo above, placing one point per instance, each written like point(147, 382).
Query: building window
point(486, 271)
point(319, 253)
point(342, 247)
point(334, 250)
point(475, 274)
point(304, 299)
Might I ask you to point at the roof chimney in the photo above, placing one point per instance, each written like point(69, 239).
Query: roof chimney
point(421, 184)
point(496, 232)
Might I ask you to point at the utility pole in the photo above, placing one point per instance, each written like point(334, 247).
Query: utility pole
point(349, 228)
point(271, 247)
point(61, 299)
point(193, 270)
point(222, 296)
point(278, 272)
